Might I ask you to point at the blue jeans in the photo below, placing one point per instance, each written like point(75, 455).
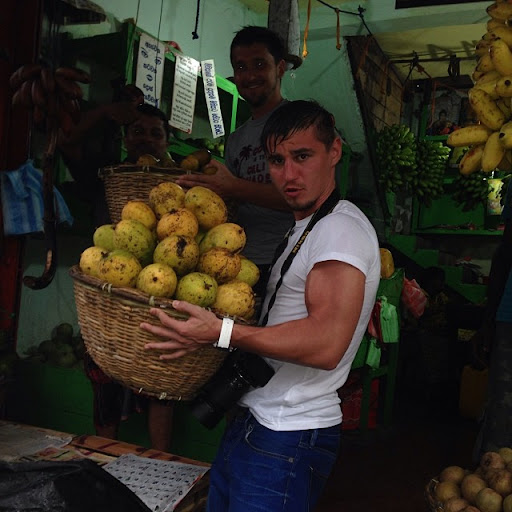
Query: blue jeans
point(258, 469)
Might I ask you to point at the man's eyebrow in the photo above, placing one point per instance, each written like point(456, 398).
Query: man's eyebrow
point(299, 151)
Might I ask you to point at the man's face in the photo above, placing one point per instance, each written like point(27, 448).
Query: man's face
point(257, 76)
point(146, 135)
point(302, 169)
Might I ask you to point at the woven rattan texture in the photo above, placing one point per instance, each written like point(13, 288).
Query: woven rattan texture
point(110, 329)
point(122, 185)
point(434, 505)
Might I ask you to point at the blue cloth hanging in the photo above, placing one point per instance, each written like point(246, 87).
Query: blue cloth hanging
point(22, 201)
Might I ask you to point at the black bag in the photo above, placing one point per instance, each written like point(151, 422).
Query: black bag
point(71, 486)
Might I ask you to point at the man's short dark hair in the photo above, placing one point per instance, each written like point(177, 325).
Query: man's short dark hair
point(297, 116)
point(149, 110)
point(252, 34)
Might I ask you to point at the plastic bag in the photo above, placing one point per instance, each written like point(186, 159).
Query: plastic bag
point(413, 297)
point(389, 326)
point(74, 486)
point(374, 354)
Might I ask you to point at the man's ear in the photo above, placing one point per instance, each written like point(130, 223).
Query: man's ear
point(336, 150)
point(281, 68)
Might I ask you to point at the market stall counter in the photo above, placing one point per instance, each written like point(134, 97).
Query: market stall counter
point(162, 481)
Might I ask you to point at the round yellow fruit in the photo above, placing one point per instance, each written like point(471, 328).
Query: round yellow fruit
point(119, 268)
point(197, 288)
point(165, 197)
point(235, 298)
point(158, 280)
point(249, 271)
point(133, 236)
point(209, 208)
point(219, 263)
point(139, 210)
point(104, 237)
point(179, 252)
point(177, 222)
point(228, 235)
point(90, 260)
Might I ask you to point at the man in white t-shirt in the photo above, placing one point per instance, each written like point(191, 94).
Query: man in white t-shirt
point(278, 453)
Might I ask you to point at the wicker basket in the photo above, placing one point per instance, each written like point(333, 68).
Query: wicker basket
point(128, 182)
point(430, 496)
point(109, 320)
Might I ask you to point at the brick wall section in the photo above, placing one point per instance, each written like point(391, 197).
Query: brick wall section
point(380, 85)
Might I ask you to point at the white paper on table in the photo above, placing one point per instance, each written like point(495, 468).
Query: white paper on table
point(160, 484)
point(17, 441)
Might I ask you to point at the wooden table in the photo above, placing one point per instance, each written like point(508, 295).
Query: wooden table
point(194, 501)
point(102, 450)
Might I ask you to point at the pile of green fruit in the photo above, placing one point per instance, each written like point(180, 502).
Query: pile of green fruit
point(470, 190)
point(406, 163)
point(63, 348)
point(396, 157)
point(427, 181)
point(178, 245)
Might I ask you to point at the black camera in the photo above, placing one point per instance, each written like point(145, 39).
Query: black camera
point(238, 373)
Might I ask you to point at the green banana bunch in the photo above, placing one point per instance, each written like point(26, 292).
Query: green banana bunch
point(427, 180)
point(396, 156)
point(471, 190)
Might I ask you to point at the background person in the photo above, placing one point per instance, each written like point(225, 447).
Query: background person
point(258, 60)
point(147, 132)
point(278, 452)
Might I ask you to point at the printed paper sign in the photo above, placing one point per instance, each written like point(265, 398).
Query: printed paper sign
point(211, 94)
point(150, 69)
point(184, 93)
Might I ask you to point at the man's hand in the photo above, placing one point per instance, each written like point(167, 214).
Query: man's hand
point(183, 336)
point(222, 182)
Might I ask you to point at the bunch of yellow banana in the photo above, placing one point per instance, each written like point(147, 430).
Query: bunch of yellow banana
point(52, 95)
point(490, 141)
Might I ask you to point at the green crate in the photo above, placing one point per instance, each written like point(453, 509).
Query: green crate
point(362, 352)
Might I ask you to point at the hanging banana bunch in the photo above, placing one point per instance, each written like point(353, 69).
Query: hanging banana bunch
point(470, 190)
point(396, 157)
point(490, 141)
point(53, 98)
point(427, 183)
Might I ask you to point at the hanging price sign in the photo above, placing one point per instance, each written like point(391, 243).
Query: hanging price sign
point(211, 94)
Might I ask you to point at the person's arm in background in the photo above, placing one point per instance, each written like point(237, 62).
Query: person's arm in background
point(71, 145)
point(228, 186)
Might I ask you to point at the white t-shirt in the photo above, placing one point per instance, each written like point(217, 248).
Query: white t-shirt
point(300, 397)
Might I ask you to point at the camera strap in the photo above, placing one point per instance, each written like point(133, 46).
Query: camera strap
point(324, 210)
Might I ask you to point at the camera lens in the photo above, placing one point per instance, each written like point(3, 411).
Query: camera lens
point(240, 371)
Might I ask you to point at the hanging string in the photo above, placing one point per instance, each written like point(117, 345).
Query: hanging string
point(137, 13)
point(195, 35)
point(306, 32)
point(338, 44)
point(158, 46)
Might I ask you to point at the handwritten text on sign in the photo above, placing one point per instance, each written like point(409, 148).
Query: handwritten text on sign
point(212, 98)
point(150, 69)
point(184, 93)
